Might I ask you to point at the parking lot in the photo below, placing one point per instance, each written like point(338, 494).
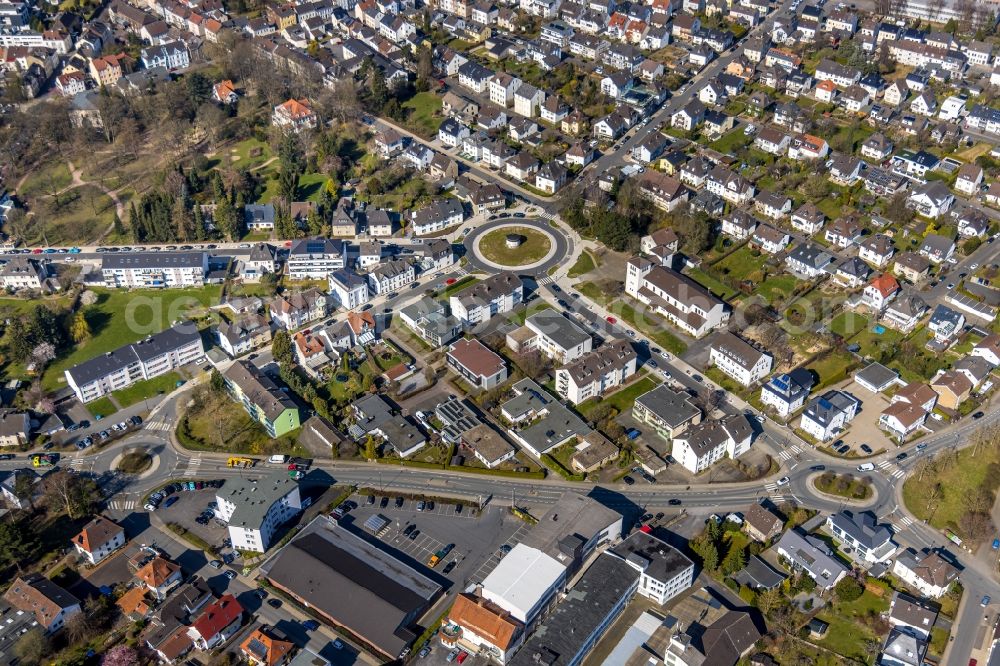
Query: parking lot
point(475, 539)
point(185, 510)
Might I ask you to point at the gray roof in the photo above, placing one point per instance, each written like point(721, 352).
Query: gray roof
point(554, 428)
point(315, 246)
point(144, 260)
point(530, 396)
point(862, 527)
point(565, 634)
point(811, 255)
point(877, 374)
point(259, 389)
point(377, 596)
point(759, 574)
point(151, 347)
point(258, 213)
point(561, 330)
point(905, 648)
point(813, 555)
point(656, 557)
point(261, 252)
point(253, 497)
point(673, 407)
point(573, 515)
point(822, 409)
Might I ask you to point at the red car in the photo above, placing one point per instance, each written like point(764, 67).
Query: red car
point(462, 656)
point(450, 281)
point(612, 320)
point(37, 250)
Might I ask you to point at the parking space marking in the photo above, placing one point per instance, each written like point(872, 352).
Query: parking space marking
point(487, 567)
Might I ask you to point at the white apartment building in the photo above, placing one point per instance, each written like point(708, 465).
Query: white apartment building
point(553, 335)
point(315, 258)
point(665, 571)
point(596, 372)
point(495, 295)
point(348, 289)
point(154, 269)
point(255, 509)
point(391, 276)
point(126, 365)
point(684, 302)
point(739, 359)
point(701, 446)
point(436, 216)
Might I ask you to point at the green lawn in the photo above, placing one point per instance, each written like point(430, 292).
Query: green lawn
point(77, 216)
point(777, 287)
point(847, 634)
point(534, 247)
point(652, 326)
point(423, 113)
point(939, 497)
point(584, 264)
point(101, 407)
point(712, 283)
point(45, 181)
point(621, 400)
point(741, 263)
point(871, 342)
point(120, 318)
point(848, 324)
point(462, 284)
point(732, 142)
point(240, 153)
point(831, 368)
point(521, 315)
point(147, 389)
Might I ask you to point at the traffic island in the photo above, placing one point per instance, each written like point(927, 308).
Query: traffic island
point(844, 486)
point(135, 461)
point(514, 246)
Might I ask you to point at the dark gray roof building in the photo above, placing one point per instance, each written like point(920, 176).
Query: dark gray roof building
point(355, 584)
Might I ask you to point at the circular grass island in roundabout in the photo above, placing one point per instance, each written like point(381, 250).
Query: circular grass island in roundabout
point(532, 248)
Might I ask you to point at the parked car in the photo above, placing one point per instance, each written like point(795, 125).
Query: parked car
point(867, 449)
point(215, 564)
point(628, 480)
point(310, 625)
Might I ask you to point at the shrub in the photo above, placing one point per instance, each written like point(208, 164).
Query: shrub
point(848, 589)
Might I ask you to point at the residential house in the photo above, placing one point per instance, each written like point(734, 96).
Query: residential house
point(761, 523)
point(739, 359)
point(809, 261)
point(476, 363)
point(804, 552)
point(700, 446)
point(932, 199)
point(596, 372)
point(970, 177)
point(937, 248)
point(953, 388)
point(829, 414)
point(684, 302)
point(298, 308)
point(98, 539)
point(786, 393)
point(36, 595)
point(879, 292)
point(927, 572)
point(876, 250)
point(905, 311)
point(769, 240)
point(869, 542)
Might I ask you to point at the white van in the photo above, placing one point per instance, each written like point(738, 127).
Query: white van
point(867, 467)
point(278, 459)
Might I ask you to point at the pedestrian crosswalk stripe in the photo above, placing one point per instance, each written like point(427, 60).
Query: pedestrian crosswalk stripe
point(770, 486)
point(545, 280)
point(777, 498)
point(906, 520)
point(884, 464)
point(158, 425)
point(77, 462)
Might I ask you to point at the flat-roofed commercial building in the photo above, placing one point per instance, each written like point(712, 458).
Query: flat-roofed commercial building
point(354, 584)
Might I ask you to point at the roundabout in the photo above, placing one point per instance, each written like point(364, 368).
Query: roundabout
point(514, 247)
point(528, 246)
